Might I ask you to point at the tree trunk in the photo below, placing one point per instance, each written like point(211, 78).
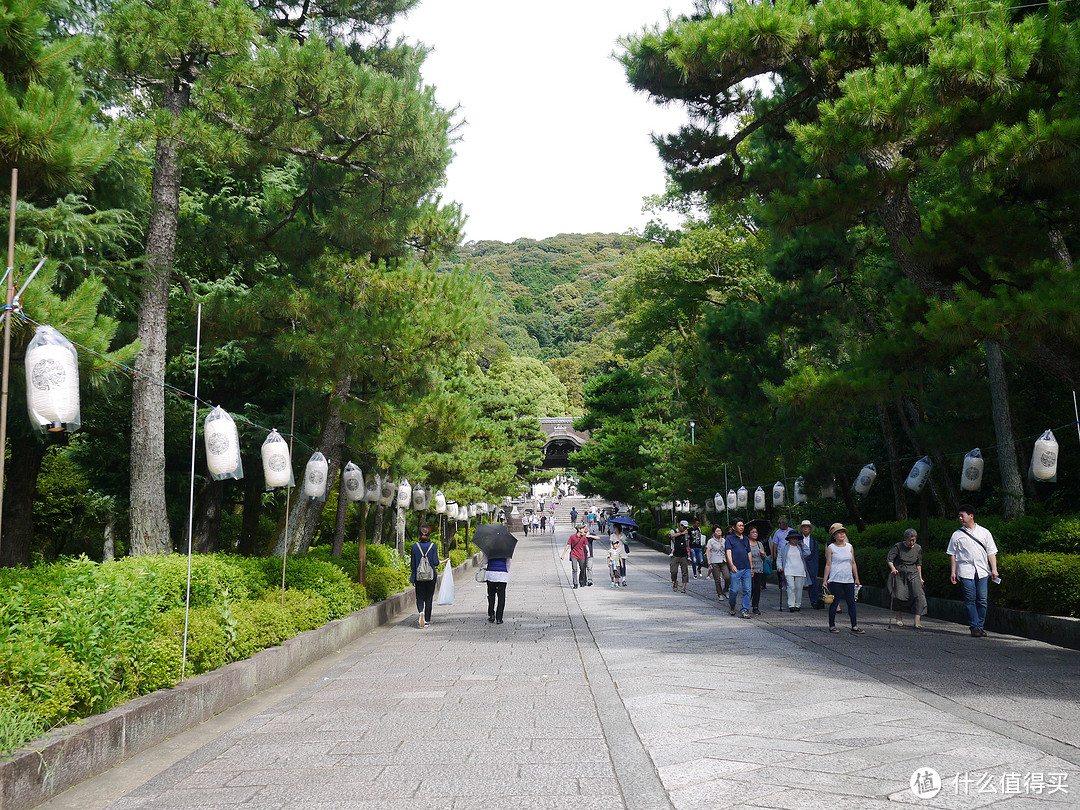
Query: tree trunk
point(108, 551)
point(342, 517)
point(377, 534)
point(249, 529)
point(894, 461)
point(149, 522)
point(306, 512)
point(1011, 482)
point(208, 517)
point(915, 414)
point(20, 487)
point(399, 529)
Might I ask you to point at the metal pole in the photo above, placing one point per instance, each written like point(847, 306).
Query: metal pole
point(288, 493)
point(10, 297)
point(1075, 411)
point(191, 496)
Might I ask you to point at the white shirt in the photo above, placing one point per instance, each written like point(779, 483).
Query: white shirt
point(778, 539)
point(791, 560)
point(971, 558)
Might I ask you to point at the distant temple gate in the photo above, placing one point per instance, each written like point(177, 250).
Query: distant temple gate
point(562, 440)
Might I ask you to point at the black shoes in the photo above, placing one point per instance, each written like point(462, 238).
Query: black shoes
point(491, 618)
point(498, 621)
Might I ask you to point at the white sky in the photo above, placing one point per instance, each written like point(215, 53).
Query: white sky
point(554, 139)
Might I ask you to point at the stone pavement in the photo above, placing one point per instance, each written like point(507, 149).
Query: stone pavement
point(634, 697)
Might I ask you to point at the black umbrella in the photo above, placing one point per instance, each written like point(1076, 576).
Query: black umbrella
point(764, 528)
point(495, 540)
point(624, 521)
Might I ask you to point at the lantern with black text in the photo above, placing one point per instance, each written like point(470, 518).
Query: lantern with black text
point(277, 463)
point(315, 475)
point(778, 492)
point(353, 481)
point(222, 446)
point(919, 474)
point(372, 487)
point(1044, 459)
point(404, 494)
point(865, 480)
point(52, 382)
point(759, 499)
point(972, 473)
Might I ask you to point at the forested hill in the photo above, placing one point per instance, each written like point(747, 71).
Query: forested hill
point(556, 297)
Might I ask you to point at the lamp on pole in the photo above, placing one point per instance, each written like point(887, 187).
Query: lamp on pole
point(692, 425)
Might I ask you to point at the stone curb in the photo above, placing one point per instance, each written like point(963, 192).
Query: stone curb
point(1061, 631)
point(67, 756)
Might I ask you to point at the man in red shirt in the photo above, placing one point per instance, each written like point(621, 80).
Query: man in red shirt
point(577, 545)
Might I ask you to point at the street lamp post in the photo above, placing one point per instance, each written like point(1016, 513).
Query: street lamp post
point(692, 424)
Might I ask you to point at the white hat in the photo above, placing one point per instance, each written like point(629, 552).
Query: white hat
point(807, 523)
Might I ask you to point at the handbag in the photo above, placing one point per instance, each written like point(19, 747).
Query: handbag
point(481, 573)
point(766, 566)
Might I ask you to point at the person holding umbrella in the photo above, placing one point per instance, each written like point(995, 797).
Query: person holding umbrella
point(497, 543)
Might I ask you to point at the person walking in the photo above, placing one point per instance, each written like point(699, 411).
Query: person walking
point(696, 545)
point(973, 562)
point(841, 575)
point(496, 576)
point(620, 535)
point(905, 584)
point(573, 515)
point(793, 566)
point(679, 555)
point(615, 561)
point(716, 558)
point(423, 574)
point(737, 548)
point(590, 555)
point(757, 569)
point(811, 560)
point(543, 523)
point(777, 543)
point(576, 544)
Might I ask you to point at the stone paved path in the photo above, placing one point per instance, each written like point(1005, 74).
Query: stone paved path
point(634, 697)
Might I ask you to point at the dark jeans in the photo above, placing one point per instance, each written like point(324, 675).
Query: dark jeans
point(496, 590)
point(848, 591)
point(812, 591)
point(425, 598)
point(696, 559)
point(755, 588)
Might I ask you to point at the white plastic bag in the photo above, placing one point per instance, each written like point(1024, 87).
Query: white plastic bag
point(446, 587)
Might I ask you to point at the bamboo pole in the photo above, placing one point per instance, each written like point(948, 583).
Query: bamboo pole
point(9, 299)
point(191, 496)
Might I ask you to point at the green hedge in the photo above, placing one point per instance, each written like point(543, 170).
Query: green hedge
point(1025, 534)
point(1037, 582)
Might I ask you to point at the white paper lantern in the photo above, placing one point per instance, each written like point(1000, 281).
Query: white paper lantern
point(972, 472)
point(222, 446)
point(920, 473)
point(419, 498)
point(732, 499)
point(472, 510)
point(315, 475)
point(684, 506)
point(759, 499)
point(778, 492)
point(452, 510)
point(742, 497)
point(373, 487)
point(404, 494)
point(387, 493)
point(718, 502)
point(52, 382)
point(277, 464)
point(829, 490)
point(440, 503)
point(800, 491)
point(463, 512)
point(352, 479)
point(865, 479)
point(1045, 458)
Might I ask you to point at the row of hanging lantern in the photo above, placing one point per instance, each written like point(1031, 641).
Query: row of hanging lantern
point(52, 401)
point(1043, 468)
point(223, 461)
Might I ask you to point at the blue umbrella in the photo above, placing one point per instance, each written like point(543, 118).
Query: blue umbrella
point(624, 521)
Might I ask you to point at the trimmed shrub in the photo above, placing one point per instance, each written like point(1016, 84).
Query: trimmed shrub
point(384, 582)
point(328, 581)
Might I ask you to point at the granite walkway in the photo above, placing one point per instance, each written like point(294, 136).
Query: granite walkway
point(633, 697)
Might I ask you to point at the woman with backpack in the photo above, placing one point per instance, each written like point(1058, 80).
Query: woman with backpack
point(424, 559)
